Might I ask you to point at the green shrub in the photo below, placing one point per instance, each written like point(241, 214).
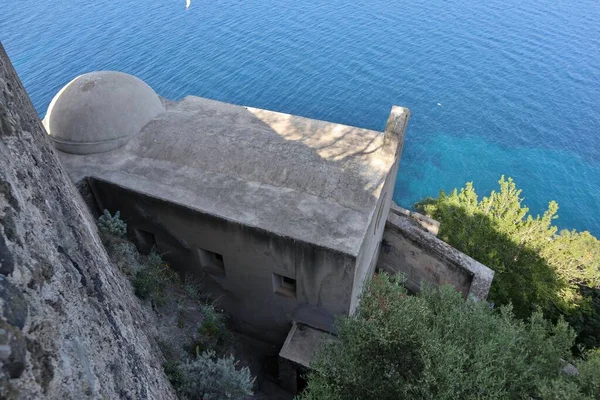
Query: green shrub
point(584, 385)
point(174, 374)
point(438, 346)
point(153, 278)
point(109, 225)
point(589, 373)
point(213, 321)
point(125, 255)
point(213, 333)
point(210, 378)
point(150, 275)
point(534, 265)
point(192, 287)
point(195, 374)
point(561, 389)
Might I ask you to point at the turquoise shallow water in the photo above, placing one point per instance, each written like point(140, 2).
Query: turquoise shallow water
point(496, 87)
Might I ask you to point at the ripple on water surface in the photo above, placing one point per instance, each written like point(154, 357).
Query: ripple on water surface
point(496, 87)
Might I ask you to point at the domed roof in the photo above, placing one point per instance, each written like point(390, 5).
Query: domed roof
point(99, 111)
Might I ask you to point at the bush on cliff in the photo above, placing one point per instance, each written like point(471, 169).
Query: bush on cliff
point(534, 264)
point(198, 354)
point(151, 280)
point(150, 275)
point(111, 225)
point(208, 377)
point(438, 346)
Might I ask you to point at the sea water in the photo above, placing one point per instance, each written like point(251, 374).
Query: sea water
point(495, 87)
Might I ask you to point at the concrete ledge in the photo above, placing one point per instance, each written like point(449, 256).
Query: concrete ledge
point(429, 224)
point(302, 342)
point(297, 354)
point(409, 249)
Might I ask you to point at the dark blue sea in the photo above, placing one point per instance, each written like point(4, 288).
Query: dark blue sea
point(495, 87)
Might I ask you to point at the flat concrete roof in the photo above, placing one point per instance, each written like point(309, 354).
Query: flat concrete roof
point(302, 342)
point(309, 180)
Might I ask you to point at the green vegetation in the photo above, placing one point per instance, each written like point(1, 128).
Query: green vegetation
point(206, 368)
point(151, 281)
point(111, 226)
point(208, 377)
point(438, 346)
point(534, 264)
point(589, 372)
point(197, 346)
point(212, 334)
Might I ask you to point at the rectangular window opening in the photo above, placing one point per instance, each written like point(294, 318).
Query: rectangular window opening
point(211, 262)
point(284, 286)
point(145, 241)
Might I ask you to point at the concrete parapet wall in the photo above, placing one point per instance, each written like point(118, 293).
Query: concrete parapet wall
point(429, 224)
point(411, 249)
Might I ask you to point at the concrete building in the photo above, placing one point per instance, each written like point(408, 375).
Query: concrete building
point(284, 218)
point(281, 215)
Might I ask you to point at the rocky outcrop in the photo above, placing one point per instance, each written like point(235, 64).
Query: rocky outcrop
point(70, 326)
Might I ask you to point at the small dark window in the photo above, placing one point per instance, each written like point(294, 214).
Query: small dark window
point(211, 262)
point(284, 286)
point(386, 246)
point(145, 241)
point(289, 281)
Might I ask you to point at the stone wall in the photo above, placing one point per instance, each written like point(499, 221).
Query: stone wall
point(70, 326)
point(409, 247)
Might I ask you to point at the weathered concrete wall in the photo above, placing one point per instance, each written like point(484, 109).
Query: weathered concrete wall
point(410, 249)
point(250, 257)
point(70, 327)
point(367, 257)
point(369, 252)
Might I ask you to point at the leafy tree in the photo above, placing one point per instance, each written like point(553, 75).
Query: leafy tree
point(438, 346)
point(534, 264)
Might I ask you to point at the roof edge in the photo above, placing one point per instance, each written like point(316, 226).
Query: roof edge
point(353, 254)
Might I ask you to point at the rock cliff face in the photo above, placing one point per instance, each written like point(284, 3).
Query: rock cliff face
point(70, 326)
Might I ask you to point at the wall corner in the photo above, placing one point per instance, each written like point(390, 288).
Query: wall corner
point(394, 130)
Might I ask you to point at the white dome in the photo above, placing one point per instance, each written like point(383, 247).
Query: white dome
point(99, 111)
